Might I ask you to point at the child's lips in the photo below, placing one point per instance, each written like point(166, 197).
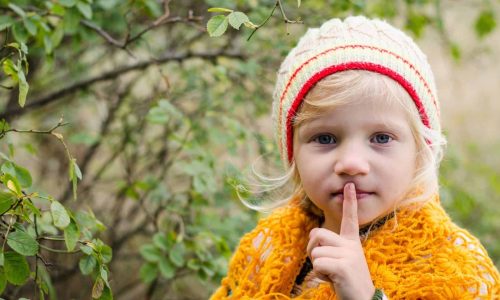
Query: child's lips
point(359, 195)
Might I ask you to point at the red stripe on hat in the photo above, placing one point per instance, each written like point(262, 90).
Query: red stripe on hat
point(344, 67)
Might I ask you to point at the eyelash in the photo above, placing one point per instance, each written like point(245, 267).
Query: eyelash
point(382, 134)
point(334, 139)
point(317, 138)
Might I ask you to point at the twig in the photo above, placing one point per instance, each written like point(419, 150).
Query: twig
point(47, 264)
point(36, 260)
point(103, 33)
point(265, 21)
point(5, 237)
point(102, 133)
point(58, 250)
point(50, 131)
point(283, 15)
point(162, 20)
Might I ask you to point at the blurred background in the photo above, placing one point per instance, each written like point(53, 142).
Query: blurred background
point(127, 130)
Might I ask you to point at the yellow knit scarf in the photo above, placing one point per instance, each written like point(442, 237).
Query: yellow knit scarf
point(418, 254)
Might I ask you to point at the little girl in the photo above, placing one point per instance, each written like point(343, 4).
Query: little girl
point(357, 120)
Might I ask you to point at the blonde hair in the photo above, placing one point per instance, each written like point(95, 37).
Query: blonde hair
point(355, 85)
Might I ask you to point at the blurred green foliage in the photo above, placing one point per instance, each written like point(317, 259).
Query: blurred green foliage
point(162, 120)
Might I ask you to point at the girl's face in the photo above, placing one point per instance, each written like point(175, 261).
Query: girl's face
point(367, 142)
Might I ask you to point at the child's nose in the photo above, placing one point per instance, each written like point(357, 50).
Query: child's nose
point(351, 161)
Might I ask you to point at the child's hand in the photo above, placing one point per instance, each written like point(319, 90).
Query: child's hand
point(340, 258)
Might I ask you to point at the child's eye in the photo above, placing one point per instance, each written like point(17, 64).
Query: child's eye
point(381, 138)
point(325, 139)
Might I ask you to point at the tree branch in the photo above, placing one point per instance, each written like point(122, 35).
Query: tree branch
point(71, 89)
point(162, 20)
point(50, 131)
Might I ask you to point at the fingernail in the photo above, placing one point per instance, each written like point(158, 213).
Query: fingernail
point(350, 187)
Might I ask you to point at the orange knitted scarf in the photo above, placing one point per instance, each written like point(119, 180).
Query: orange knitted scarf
point(419, 254)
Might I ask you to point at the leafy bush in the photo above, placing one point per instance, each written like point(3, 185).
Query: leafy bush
point(158, 117)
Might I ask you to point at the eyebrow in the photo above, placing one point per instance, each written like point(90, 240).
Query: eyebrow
point(318, 125)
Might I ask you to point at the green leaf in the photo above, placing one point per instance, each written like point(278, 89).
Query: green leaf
point(2, 155)
point(17, 10)
point(60, 216)
point(58, 9)
point(87, 264)
point(31, 208)
point(22, 243)
point(416, 23)
point(12, 184)
point(85, 9)
point(5, 22)
point(237, 18)
point(106, 253)
point(16, 268)
point(6, 201)
point(57, 35)
point(47, 44)
point(67, 3)
point(152, 8)
point(167, 269)
point(298, 3)
point(20, 33)
point(161, 241)
point(148, 272)
point(104, 274)
point(23, 87)
point(24, 48)
point(217, 25)
point(10, 69)
point(485, 23)
point(219, 10)
point(108, 4)
point(77, 170)
point(71, 21)
point(74, 174)
point(176, 254)
point(3, 280)
point(106, 294)
point(71, 235)
point(194, 264)
point(163, 112)
point(456, 53)
point(208, 270)
point(86, 249)
point(30, 26)
point(83, 138)
point(150, 253)
point(22, 175)
point(45, 282)
point(4, 126)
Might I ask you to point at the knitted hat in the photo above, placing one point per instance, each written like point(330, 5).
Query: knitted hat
point(356, 43)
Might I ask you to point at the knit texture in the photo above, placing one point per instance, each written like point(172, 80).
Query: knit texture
point(355, 43)
point(419, 254)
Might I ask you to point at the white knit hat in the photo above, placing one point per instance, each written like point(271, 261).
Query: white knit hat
point(356, 43)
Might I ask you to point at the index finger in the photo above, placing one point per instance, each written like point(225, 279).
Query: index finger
point(349, 227)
